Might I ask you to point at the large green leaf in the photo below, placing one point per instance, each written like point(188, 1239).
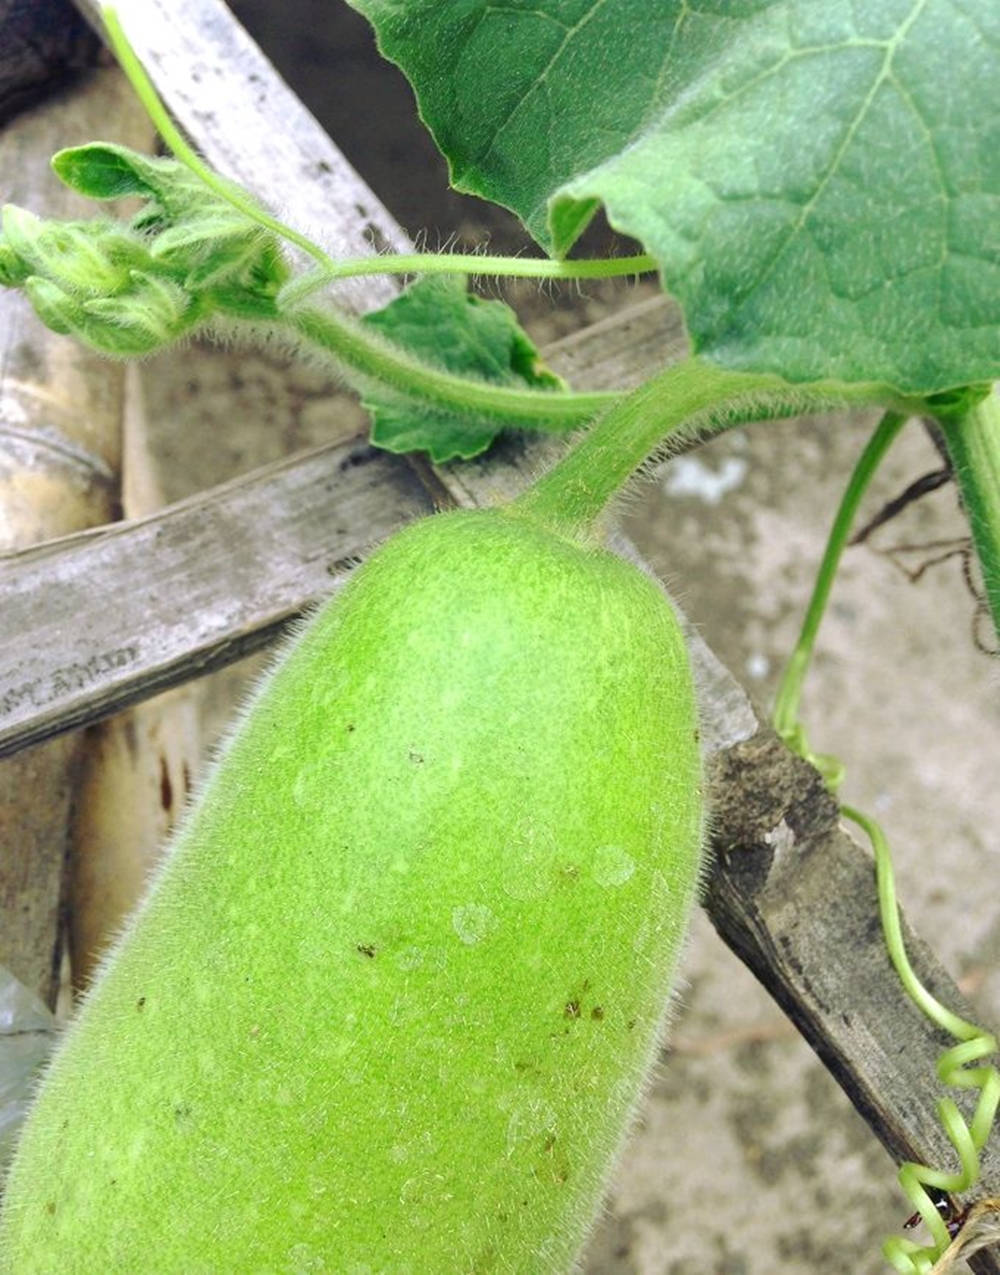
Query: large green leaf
point(819, 179)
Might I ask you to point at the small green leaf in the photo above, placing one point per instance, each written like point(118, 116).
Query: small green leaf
point(155, 311)
point(399, 426)
point(58, 311)
point(222, 248)
point(442, 324)
point(101, 170)
point(199, 231)
point(13, 268)
point(246, 263)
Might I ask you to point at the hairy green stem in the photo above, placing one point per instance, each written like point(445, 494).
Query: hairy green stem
point(786, 710)
point(370, 357)
point(330, 268)
point(477, 263)
point(689, 397)
point(973, 441)
point(426, 263)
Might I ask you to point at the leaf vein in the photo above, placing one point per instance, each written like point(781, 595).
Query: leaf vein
point(849, 135)
point(571, 33)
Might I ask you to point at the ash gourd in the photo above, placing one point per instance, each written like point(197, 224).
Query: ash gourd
point(389, 1005)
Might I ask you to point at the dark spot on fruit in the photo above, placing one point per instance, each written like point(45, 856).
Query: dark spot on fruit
point(367, 949)
point(182, 1113)
point(550, 1141)
point(597, 1012)
point(630, 1024)
point(350, 727)
point(140, 1002)
point(521, 1065)
point(50, 1207)
point(571, 1009)
point(166, 787)
point(417, 759)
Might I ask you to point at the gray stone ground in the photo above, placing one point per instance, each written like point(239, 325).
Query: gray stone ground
point(746, 1159)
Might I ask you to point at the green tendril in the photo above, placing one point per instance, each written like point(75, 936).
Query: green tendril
point(789, 695)
point(954, 1066)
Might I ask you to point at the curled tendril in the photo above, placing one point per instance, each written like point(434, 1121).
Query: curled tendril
point(953, 1068)
point(927, 1188)
point(968, 1138)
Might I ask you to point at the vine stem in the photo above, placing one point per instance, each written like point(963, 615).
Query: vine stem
point(467, 263)
point(693, 392)
point(330, 268)
point(372, 358)
point(973, 442)
point(789, 695)
point(687, 398)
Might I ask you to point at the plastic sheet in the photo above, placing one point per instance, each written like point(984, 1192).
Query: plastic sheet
point(27, 1035)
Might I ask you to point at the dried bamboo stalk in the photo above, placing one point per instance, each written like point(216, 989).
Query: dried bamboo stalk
point(137, 768)
point(60, 452)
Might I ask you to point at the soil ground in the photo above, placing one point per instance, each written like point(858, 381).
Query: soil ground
point(747, 1159)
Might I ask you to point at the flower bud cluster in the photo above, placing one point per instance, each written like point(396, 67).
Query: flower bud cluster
point(132, 288)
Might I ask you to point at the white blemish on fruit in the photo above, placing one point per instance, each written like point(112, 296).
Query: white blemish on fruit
point(612, 866)
point(473, 922)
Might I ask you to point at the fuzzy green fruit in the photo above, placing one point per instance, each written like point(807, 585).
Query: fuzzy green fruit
point(391, 1001)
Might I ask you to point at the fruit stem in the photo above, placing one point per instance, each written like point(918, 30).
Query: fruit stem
point(692, 397)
